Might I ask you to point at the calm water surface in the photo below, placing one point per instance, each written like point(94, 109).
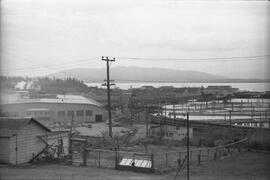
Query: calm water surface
point(242, 86)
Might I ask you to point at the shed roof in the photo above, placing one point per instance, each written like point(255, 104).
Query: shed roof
point(219, 87)
point(38, 109)
point(60, 99)
point(10, 126)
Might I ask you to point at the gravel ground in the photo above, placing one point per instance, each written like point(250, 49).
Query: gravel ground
point(241, 167)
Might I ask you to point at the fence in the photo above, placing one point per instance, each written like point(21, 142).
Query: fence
point(171, 160)
point(158, 161)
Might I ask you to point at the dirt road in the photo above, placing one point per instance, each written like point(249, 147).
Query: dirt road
point(241, 167)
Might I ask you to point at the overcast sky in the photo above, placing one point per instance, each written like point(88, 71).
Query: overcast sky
point(40, 37)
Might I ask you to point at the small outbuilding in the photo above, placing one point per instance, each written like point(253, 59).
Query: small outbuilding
point(20, 139)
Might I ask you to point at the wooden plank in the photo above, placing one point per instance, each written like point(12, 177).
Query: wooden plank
point(123, 161)
point(129, 162)
point(144, 163)
point(138, 163)
point(126, 162)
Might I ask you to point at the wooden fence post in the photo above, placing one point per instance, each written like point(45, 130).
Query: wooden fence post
point(152, 161)
point(180, 157)
point(116, 160)
point(208, 154)
point(99, 158)
point(84, 156)
point(70, 150)
point(166, 159)
point(133, 163)
point(199, 158)
point(190, 157)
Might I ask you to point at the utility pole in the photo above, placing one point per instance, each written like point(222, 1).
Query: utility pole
point(187, 145)
point(108, 84)
point(70, 136)
point(131, 108)
point(174, 115)
point(147, 121)
point(160, 123)
point(165, 119)
point(231, 124)
point(147, 125)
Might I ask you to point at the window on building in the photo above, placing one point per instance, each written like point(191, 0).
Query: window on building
point(14, 114)
point(28, 113)
point(80, 113)
point(61, 113)
point(170, 134)
point(70, 113)
point(89, 113)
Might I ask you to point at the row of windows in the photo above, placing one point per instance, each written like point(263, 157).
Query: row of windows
point(79, 113)
point(37, 113)
point(9, 114)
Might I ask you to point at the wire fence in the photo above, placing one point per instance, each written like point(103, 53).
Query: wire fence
point(169, 160)
point(159, 161)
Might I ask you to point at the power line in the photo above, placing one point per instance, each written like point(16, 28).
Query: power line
point(24, 57)
point(82, 61)
point(234, 58)
point(53, 66)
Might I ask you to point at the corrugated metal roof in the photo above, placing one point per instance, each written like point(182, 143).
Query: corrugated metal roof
point(38, 109)
point(10, 126)
point(61, 99)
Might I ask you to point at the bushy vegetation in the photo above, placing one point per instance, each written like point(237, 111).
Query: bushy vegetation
point(9, 82)
point(48, 85)
point(260, 140)
point(62, 86)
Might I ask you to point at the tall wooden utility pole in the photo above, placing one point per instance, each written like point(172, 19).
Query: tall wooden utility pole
point(147, 121)
point(187, 145)
point(108, 84)
point(174, 115)
point(165, 119)
point(70, 136)
point(160, 118)
point(231, 124)
point(147, 125)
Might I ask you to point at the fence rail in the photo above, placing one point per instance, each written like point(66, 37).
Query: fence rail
point(159, 161)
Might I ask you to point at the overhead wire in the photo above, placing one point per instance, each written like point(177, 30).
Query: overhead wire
point(52, 66)
point(86, 60)
point(233, 58)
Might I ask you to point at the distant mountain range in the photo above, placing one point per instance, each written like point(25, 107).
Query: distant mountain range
point(128, 74)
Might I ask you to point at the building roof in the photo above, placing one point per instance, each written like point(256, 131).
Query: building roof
point(38, 109)
point(189, 89)
point(219, 87)
point(60, 99)
point(146, 87)
point(10, 126)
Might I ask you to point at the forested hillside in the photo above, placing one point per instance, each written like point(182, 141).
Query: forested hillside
point(44, 85)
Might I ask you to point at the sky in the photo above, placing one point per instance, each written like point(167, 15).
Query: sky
point(41, 37)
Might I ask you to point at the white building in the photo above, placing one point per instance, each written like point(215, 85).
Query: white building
point(220, 90)
point(23, 139)
point(19, 139)
point(62, 109)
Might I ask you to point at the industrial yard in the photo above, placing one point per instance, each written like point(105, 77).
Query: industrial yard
point(245, 166)
point(137, 89)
